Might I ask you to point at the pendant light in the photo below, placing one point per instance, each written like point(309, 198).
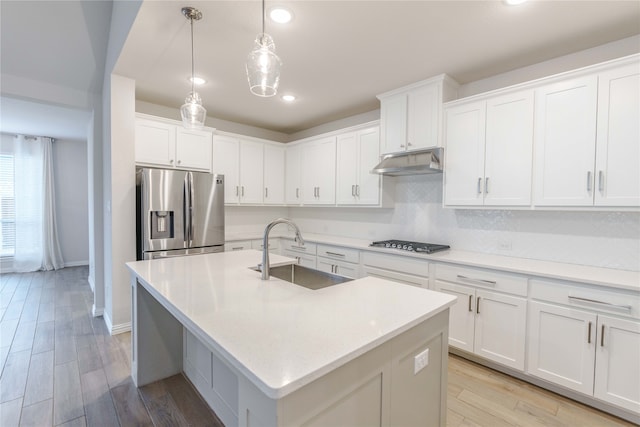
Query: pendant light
point(263, 65)
point(192, 112)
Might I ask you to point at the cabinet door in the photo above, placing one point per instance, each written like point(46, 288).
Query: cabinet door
point(500, 328)
point(464, 161)
point(155, 143)
point(393, 123)
point(461, 315)
point(509, 150)
point(226, 160)
point(319, 172)
point(423, 117)
point(565, 137)
point(293, 178)
point(345, 269)
point(274, 170)
point(368, 190)
point(618, 146)
point(562, 345)
point(308, 261)
point(617, 366)
point(193, 149)
point(347, 169)
point(251, 172)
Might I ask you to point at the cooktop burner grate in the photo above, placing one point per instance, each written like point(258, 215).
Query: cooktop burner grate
point(405, 245)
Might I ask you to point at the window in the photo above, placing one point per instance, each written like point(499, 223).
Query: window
point(7, 206)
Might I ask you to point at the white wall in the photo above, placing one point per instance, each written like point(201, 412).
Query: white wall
point(70, 175)
point(248, 219)
point(603, 239)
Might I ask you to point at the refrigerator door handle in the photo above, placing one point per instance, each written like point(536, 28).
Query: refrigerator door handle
point(191, 198)
point(186, 209)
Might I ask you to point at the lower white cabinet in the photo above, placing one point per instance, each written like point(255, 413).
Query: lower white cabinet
point(339, 260)
point(397, 268)
point(237, 245)
point(484, 321)
point(304, 254)
point(587, 340)
point(242, 245)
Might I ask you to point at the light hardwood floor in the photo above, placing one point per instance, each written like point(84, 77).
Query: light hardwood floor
point(61, 367)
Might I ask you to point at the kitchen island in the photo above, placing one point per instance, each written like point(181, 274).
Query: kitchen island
point(271, 353)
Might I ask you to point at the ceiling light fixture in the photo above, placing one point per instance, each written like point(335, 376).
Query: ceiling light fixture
point(513, 2)
point(288, 98)
point(263, 65)
point(280, 14)
point(197, 80)
point(192, 112)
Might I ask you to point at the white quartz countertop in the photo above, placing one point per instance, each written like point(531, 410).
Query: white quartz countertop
point(609, 277)
point(279, 335)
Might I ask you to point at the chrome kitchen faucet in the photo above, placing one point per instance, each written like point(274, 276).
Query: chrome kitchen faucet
point(265, 243)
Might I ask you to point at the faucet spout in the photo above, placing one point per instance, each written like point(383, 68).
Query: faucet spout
point(265, 242)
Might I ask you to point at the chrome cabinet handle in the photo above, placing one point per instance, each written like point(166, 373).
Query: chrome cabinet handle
point(237, 190)
point(336, 270)
point(179, 161)
point(471, 279)
point(607, 304)
point(334, 254)
point(601, 181)
point(589, 334)
point(470, 299)
point(589, 181)
point(409, 144)
point(401, 145)
point(602, 336)
point(486, 185)
point(242, 191)
point(298, 248)
point(478, 305)
point(171, 161)
point(266, 192)
point(237, 248)
point(297, 193)
point(479, 185)
point(318, 192)
point(357, 190)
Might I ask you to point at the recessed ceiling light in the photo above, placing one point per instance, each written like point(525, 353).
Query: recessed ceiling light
point(197, 80)
point(288, 98)
point(280, 14)
point(513, 2)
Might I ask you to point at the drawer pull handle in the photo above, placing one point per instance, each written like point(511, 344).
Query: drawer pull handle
point(237, 248)
point(607, 304)
point(470, 299)
point(589, 334)
point(334, 254)
point(602, 337)
point(478, 305)
point(298, 248)
point(486, 282)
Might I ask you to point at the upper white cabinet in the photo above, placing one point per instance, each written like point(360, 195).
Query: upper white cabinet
point(489, 151)
point(319, 171)
point(410, 117)
point(357, 153)
point(293, 175)
point(587, 146)
point(274, 174)
point(565, 142)
point(162, 142)
point(617, 172)
point(254, 170)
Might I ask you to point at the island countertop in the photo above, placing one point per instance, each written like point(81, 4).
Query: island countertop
point(282, 336)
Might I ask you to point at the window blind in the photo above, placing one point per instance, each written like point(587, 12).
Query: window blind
point(7, 206)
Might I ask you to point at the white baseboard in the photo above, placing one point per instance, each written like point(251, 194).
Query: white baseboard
point(92, 284)
point(76, 263)
point(115, 329)
point(97, 312)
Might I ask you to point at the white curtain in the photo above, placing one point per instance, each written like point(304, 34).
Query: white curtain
point(37, 246)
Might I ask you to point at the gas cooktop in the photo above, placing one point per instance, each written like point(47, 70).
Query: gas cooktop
point(404, 245)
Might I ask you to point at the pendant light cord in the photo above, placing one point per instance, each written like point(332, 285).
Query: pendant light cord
point(262, 37)
point(192, 62)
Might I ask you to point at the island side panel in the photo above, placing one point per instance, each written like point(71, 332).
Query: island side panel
point(156, 338)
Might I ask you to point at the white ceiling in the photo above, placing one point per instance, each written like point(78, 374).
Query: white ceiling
point(337, 55)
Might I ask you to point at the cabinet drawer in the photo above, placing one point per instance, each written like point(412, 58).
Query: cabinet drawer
point(339, 253)
point(587, 297)
point(238, 245)
point(274, 244)
point(399, 263)
point(292, 245)
point(488, 279)
point(305, 260)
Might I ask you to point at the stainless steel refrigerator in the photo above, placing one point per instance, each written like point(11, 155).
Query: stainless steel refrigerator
point(178, 213)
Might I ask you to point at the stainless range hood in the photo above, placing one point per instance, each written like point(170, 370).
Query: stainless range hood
point(429, 160)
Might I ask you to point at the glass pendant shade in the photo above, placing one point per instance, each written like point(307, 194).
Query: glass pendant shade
point(263, 67)
point(192, 112)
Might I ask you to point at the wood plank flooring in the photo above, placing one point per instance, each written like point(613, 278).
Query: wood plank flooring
point(60, 367)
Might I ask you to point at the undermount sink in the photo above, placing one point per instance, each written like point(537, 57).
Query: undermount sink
point(303, 276)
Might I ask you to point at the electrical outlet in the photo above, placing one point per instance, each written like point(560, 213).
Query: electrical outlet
point(420, 361)
point(504, 245)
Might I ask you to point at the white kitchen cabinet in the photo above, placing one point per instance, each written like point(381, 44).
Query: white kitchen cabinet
point(397, 268)
point(293, 175)
point(319, 171)
point(565, 138)
point(274, 174)
point(489, 318)
point(338, 260)
point(410, 116)
point(237, 245)
point(587, 340)
point(167, 144)
point(489, 151)
point(617, 171)
point(304, 254)
point(357, 153)
point(226, 160)
point(251, 172)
